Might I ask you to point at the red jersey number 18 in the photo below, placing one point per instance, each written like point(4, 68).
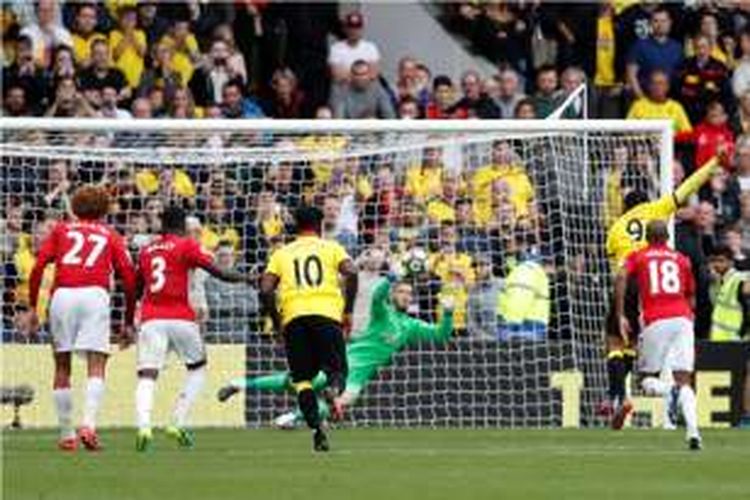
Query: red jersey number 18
point(664, 277)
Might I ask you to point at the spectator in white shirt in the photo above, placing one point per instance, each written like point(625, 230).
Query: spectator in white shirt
point(340, 221)
point(353, 48)
point(47, 32)
point(741, 76)
point(109, 107)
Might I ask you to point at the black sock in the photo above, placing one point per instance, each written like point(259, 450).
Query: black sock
point(629, 360)
point(617, 371)
point(308, 403)
point(335, 383)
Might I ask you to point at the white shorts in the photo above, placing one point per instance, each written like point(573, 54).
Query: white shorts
point(79, 319)
point(667, 344)
point(159, 336)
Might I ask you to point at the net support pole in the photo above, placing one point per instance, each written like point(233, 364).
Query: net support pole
point(586, 155)
point(666, 174)
point(581, 92)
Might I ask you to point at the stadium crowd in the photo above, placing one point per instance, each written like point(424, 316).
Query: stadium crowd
point(124, 59)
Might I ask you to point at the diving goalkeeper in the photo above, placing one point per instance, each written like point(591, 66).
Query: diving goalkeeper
point(389, 330)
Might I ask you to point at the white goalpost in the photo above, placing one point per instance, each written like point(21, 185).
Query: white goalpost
point(500, 192)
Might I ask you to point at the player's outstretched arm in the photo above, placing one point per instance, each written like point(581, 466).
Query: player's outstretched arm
point(198, 258)
point(228, 275)
point(418, 330)
point(692, 184)
point(128, 275)
point(268, 284)
point(380, 295)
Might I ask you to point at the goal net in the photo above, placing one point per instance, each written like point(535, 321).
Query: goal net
point(467, 203)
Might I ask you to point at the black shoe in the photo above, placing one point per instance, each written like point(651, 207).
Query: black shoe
point(695, 444)
point(226, 392)
point(320, 441)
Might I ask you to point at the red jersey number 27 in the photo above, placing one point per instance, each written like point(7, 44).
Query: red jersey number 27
point(75, 256)
point(664, 277)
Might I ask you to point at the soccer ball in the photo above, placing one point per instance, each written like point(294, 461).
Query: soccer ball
point(286, 421)
point(414, 262)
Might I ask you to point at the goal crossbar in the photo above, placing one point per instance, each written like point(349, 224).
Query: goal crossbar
point(333, 126)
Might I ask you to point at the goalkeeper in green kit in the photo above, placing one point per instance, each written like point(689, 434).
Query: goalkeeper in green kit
point(389, 330)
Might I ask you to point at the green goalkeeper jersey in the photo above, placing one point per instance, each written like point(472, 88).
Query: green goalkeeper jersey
point(388, 331)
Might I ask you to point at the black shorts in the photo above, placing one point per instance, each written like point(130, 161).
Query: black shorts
point(632, 313)
point(314, 344)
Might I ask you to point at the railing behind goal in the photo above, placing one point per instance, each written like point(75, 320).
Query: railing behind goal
point(383, 184)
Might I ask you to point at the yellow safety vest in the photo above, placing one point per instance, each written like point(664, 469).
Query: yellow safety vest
point(525, 299)
point(726, 320)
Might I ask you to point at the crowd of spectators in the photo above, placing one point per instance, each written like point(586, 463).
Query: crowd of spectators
point(124, 59)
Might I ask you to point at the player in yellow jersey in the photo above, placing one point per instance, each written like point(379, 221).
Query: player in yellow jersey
point(301, 292)
point(626, 235)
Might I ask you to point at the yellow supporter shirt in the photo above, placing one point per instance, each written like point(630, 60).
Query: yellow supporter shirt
point(181, 61)
point(613, 197)
point(628, 233)
point(646, 109)
point(605, 51)
point(129, 62)
point(272, 227)
point(320, 144)
point(82, 46)
point(212, 235)
point(521, 190)
point(424, 183)
point(24, 261)
point(440, 211)
point(147, 182)
point(456, 274)
point(114, 6)
point(308, 269)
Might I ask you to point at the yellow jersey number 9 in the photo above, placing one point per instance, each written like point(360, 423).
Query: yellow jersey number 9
point(635, 230)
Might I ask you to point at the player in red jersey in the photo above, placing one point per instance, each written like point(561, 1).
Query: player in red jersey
point(667, 291)
point(85, 251)
point(168, 322)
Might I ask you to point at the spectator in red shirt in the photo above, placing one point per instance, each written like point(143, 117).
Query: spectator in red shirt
point(441, 104)
point(287, 100)
point(712, 134)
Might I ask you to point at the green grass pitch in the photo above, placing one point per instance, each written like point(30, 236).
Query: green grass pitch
point(385, 464)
